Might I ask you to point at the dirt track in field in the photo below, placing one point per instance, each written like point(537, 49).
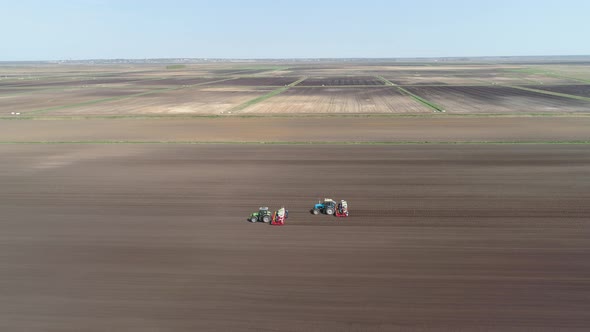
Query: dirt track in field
point(300, 129)
point(154, 238)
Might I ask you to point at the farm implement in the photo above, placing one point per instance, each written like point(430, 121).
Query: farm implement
point(330, 207)
point(279, 217)
point(264, 215)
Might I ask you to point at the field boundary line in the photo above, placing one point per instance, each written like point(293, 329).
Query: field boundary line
point(559, 94)
point(575, 142)
point(419, 99)
point(546, 73)
point(148, 116)
point(266, 96)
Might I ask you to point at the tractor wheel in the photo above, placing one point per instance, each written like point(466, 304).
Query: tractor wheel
point(315, 211)
point(329, 211)
point(254, 219)
point(266, 219)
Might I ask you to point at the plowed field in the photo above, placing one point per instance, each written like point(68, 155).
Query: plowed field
point(486, 99)
point(154, 237)
point(338, 100)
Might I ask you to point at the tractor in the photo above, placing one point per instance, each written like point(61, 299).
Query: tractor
point(328, 206)
point(263, 215)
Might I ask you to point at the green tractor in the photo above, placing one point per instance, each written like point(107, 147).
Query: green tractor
point(263, 215)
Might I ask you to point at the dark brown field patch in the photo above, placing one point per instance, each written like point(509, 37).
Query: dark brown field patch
point(142, 237)
point(492, 99)
point(576, 90)
point(344, 81)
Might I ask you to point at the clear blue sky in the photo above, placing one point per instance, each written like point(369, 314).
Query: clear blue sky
point(84, 29)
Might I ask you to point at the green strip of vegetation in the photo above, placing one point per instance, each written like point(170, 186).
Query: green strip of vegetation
point(174, 67)
point(417, 98)
point(536, 71)
point(579, 142)
point(565, 95)
point(385, 81)
point(422, 100)
point(266, 96)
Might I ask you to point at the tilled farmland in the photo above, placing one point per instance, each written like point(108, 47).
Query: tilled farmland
point(258, 81)
point(306, 100)
point(574, 89)
point(439, 237)
point(292, 89)
point(338, 81)
point(196, 100)
point(125, 192)
point(496, 99)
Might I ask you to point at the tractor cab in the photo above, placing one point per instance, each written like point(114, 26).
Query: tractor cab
point(263, 215)
point(328, 206)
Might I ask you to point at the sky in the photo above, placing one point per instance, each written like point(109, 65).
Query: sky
point(259, 29)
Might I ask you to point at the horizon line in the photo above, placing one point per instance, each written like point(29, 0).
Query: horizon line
point(305, 58)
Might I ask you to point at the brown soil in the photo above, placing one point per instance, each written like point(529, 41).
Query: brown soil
point(27, 102)
point(487, 99)
point(337, 81)
point(308, 129)
point(192, 100)
point(576, 90)
point(154, 238)
point(259, 81)
point(337, 96)
point(177, 81)
point(306, 100)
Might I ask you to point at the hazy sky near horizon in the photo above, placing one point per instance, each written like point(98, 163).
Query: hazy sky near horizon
point(92, 29)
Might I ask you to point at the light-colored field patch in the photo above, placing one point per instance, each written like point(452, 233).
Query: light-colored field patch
point(181, 101)
point(338, 100)
point(59, 160)
point(297, 129)
point(462, 77)
point(421, 79)
point(44, 99)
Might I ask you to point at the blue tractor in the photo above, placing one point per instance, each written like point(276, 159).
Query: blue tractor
point(328, 206)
